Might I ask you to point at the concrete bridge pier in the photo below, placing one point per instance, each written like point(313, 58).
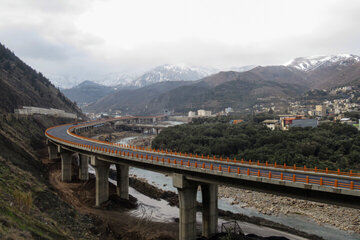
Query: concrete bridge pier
point(52, 150)
point(122, 177)
point(102, 180)
point(66, 157)
point(187, 206)
point(83, 167)
point(210, 209)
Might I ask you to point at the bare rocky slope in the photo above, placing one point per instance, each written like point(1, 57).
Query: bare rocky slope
point(29, 208)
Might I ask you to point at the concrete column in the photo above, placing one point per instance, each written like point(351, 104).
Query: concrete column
point(52, 150)
point(210, 209)
point(66, 166)
point(187, 206)
point(83, 167)
point(102, 180)
point(122, 175)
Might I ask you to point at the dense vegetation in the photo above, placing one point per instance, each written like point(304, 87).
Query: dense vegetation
point(329, 145)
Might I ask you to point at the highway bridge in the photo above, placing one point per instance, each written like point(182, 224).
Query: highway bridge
point(190, 171)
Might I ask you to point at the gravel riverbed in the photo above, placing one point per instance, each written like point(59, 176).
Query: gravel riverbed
point(343, 218)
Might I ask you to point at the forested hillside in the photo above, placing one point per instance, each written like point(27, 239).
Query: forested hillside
point(20, 85)
point(329, 145)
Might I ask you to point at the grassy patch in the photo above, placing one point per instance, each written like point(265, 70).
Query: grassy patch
point(26, 223)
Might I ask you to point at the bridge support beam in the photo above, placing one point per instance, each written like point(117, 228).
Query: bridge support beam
point(187, 206)
point(102, 180)
point(66, 158)
point(83, 167)
point(122, 177)
point(210, 209)
point(53, 151)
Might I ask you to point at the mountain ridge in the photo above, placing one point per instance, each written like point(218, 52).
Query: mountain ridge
point(313, 62)
point(132, 79)
point(214, 92)
point(87, 92)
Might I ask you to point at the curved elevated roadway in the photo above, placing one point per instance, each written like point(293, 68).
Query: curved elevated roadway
point(189, 171)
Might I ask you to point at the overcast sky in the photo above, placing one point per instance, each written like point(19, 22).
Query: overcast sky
point(89, 37)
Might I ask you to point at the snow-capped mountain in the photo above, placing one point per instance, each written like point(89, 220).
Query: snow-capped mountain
point(241, 69)
point(64, 81)
point(169, 72)
point(110, 79)
point(308, 64)
point(117, 78)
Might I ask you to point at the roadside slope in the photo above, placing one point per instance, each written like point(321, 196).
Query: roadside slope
point(29, 209)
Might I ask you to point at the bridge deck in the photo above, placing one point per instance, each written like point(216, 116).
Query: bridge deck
point(64, 134)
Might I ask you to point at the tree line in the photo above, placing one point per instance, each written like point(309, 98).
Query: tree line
point(330, 145)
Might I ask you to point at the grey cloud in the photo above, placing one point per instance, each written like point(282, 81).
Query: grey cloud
point(32, 44)
point(67, 52)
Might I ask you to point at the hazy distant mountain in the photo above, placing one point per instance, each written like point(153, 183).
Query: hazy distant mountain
point(121, 79)
point(312, 63)
point(64, 81)
point(87, 92)
point(236, 89)
point(132, 79)
point(170, 72)
point(215, 92)
point(134, 100)
point(240, 69)
point(279, 74)
point(163, 73)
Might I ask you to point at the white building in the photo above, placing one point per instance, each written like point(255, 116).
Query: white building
point(191, 114)
point(204, 113)
point(228, 110)
point(272, 124)
point(26, 110)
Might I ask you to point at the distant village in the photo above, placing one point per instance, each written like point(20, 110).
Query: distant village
point(314, 108)
point(302, 113)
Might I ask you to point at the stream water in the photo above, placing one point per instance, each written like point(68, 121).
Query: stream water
point(161, 211)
